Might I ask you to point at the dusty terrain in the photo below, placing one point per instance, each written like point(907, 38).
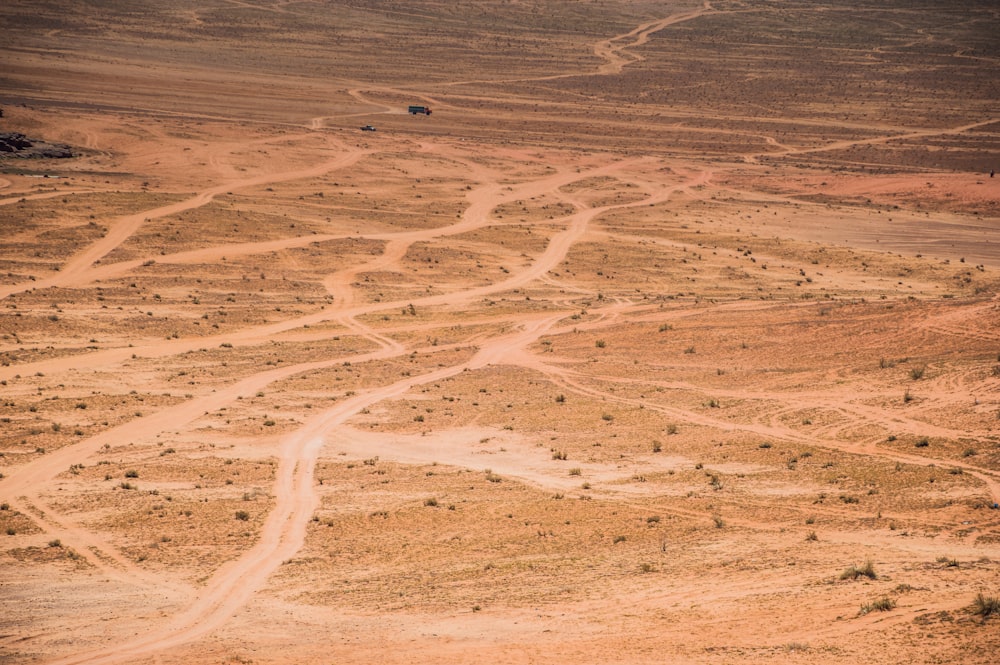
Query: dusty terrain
point(672, 335)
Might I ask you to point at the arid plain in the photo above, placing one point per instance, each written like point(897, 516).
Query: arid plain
point(672, 335)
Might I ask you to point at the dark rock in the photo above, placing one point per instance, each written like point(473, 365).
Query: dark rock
point(19, 145)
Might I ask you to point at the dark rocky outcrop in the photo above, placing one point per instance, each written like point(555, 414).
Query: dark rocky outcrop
point(14, 144)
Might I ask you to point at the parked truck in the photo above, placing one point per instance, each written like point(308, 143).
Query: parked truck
point(415, 109)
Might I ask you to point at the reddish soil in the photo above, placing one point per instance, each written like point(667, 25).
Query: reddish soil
point(672, 334)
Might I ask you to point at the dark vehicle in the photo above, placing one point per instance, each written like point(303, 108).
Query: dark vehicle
point(368, 128)
point(414, 110)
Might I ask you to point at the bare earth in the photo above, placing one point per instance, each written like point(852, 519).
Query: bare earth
point(672, 335)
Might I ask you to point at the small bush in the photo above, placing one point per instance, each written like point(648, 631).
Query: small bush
point(600, 344)
point(242, 515)
point(575, 471)
point(719, 523)
point(917, 373)
point(854, 572)
point(55, 543)
point(812, 536)
point(985, 606)
point(560, 398)
point(619, 539)
point(923, 442)
point(883, 604)
point(131, 473)
point(431, 502)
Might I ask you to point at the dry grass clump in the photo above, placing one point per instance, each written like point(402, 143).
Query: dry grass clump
point(883, 604)
point(853, 572)
point(985, 606)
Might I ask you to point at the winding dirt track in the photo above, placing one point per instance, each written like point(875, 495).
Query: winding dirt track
point(296, 500)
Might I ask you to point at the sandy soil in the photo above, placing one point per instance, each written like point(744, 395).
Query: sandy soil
point(655, 342)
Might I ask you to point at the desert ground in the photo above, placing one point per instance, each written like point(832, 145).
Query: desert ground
point(671, 335)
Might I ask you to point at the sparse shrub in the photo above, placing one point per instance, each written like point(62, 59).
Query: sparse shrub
point(607, 417)
point(560, 398)
point(811, 536)
point(917, 373)
point(719, 522)
point(764, 445)
point(653, 519)
point(431, 502)
point(646, 568)
point(600, 344)
point(671, 429)
point(619, 539)
point(923, 442)
point(657, 446)
point(55, 542)
point(559, 455)
point(854, 572)
point(907, 397)
point(575, 471)
point(883, 604)
point(985, 606)
point(131, 473)
point(948, 562)
point(242, 515)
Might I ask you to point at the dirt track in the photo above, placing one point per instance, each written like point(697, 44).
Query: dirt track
point(611, 297)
